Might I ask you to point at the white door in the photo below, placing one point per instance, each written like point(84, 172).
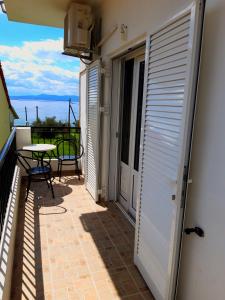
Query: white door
point(93, 123)
point(130, 132)
point(172, 57)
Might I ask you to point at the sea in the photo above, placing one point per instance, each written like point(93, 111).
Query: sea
point(46, 108)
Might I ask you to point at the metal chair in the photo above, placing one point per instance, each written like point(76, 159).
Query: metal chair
point(41, 172)
point(69, 150)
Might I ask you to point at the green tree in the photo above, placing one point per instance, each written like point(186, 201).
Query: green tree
point(37, 123)
point(48, 122)
point(47, 132)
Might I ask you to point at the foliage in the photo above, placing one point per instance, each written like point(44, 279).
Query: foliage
point(48, 122)
point(49, 131)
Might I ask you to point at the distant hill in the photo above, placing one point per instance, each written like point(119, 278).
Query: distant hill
point(46, 97)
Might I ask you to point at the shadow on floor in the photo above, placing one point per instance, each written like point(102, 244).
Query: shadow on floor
point(109, 252)
point(72, 248)
point(29, 270)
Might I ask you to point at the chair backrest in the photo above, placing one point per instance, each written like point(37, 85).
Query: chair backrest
point(26, 160)
point(70, 147)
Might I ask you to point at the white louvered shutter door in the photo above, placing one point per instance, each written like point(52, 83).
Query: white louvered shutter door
point(93, 122)
point(172, 59)
point(83, 115)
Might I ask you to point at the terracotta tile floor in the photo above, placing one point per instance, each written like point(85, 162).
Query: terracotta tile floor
point(72, 248)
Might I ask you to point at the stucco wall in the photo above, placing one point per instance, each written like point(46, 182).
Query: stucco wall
point(4, 117)
point(139, 16)
point(205, 269)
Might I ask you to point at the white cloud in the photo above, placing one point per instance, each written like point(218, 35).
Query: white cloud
point(31, 51)
point(38, 67)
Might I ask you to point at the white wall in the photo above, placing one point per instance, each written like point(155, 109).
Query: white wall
point(23, 137)
point(203, 263)
point(140, 17)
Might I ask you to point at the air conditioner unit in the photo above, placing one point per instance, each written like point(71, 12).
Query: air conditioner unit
point(77, 30)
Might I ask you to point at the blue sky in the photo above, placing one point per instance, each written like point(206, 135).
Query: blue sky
point(32, 60)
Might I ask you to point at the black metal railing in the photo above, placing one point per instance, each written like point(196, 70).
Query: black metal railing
point(50, 135)
point(7, 166)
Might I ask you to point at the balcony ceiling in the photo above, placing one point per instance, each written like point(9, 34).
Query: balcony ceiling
point(40, 12)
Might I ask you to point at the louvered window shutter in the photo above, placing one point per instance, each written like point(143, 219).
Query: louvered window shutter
point(93, 124)
point(83, 115)
point(172, 58)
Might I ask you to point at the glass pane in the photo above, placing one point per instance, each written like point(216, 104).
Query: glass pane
point(127, 103)
point(139, 112)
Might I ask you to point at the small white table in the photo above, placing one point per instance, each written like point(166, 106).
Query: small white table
point(39, 147)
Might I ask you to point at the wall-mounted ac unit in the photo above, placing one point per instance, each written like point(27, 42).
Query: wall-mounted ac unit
point(77, 30)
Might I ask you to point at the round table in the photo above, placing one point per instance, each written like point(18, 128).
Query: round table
point(40, 148)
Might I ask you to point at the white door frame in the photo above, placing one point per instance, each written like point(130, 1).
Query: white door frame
point(138, 60)
point(134, 46)
point(115, 118)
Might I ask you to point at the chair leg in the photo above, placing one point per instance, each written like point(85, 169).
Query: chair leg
point(50, 181)
point(77, 169)
point(58, 168)
point(46, 179)
point(28, 187)
point(60, 171)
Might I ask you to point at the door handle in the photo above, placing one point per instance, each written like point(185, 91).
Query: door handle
point(199, 231)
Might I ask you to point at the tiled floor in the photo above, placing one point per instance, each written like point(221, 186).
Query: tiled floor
point(71, 248)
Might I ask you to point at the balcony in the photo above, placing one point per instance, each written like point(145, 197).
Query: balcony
point(71, 247)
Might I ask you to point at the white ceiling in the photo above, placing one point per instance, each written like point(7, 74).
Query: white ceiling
point(40, 12)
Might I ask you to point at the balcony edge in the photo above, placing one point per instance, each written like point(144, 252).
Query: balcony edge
point(7, 244)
